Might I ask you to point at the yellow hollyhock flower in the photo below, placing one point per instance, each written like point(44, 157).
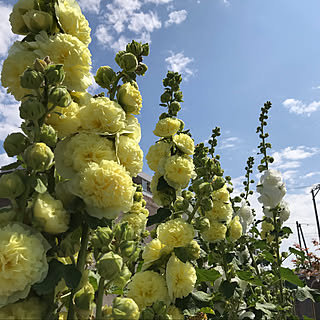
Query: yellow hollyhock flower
point(235, 228)
point(184, 143)
point(129, 98)
point(217, 231)
point(157, 152)
point(167, 127)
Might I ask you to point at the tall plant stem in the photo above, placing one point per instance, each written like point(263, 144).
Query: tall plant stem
point(100, 298)
point(80, 265)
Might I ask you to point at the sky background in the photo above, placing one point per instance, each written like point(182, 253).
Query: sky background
point(234, 56)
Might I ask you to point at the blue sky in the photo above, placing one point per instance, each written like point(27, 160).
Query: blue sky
point(234, 55)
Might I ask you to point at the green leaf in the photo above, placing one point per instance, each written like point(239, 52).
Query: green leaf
point(227, 288)
point(248, 276)
point(268, 256)
point(261, 244)
point(71, 275)
point(207, 275)
point(39, 186)
point(11, 166)
point(299, 253)
point(307, 318)
point(304, 294)
point(180, 252)
point(55, 274)
point(207, 310)
point(201, 296)
point(289, 275)
point(266, 308)
point(161, 215)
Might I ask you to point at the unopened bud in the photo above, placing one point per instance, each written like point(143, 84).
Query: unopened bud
point(142, 69)
point(165, 97)
point(59, 97)
point(11, 186)
point(54, 74)
point(202, 224)
point(124, 309)
point(134, 48)
point(118, 57)
point(181, 204)
point(128, 248)
point(138, 196)
point(205, 189)
point(70, 244)
point(104, 76)
point(32, 109)
point(102, 238)
point(187, 194)
point(159, 307)
point(147, 314)
point(206, 204)
point(48, 135)
point(181, 125)
point(38, 157)
point(39, 65)
point(175, 107)
point(218, 183)
point(123, 278)
point(37, 21)
point(178, 96)
point(84, 297)
point(145, 49)
point(128, 62)
point(109, 266)
point(15, 143)
point(31, 79)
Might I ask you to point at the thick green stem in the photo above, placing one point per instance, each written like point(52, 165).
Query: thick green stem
point(100, 298)
point(80, 265)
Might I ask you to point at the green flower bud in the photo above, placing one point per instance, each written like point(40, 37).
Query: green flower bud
point(48, 135)
point(218, 183)
point(32, 109)
point(104, 76)
point(165, 97)
point(31, 79)
point(39, 65)
point(181, 125)
point(59, 96)
point(128, 248)
point(139, 188)
point(205, 189)
point(196, 184)
point(15, 143)
point(142, 69)
point(11, 186)
point(84, 297)
point(159, 307)
point(37, 21)
point(178, 96)
point(147, 314)
point(123, 278)
point(181, 204)
point(123, 232)
point(134, 48)
point(137, 196)
point(174, 107)
point(54, 74)
point(145, 49)
point(38, 157)
point(163, 116)
point(124, 309)
point(202, 224)
point(187, 194)
point(70, 244)
point(206, 204)
point(118, 57)
point(128, 62)
point(109, 266)
point(102, 238)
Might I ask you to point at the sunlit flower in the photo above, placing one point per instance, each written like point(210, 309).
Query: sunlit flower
point(221, 211)
point(217, 231)
point(153, 251)
point(129, 98)
point(235, 228)
point(157, 152)
point(167, 127)
point(184, 142)
point(136, 221)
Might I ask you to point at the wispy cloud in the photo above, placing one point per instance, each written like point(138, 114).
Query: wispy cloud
point(158, 1)
point(178, 62)
point(176, 17)
point(146, 22)
point(228, 143)
point(90, 5)
point(299, 107)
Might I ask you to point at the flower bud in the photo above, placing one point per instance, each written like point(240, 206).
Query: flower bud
point(147, 314)
point(142, 69)
point(187, 194)
point(31, 79)
point(205, 189)
point(202, 224)
point(59, 96)
point(123, 278)
point(54, 74)
point(128, 62)
point(70, 244)
point(134, 48)
point(104, 76)
point(145, 49)
point(32, 109)
point(159, 307)
point(39, 65)
point(109, 266)
point(84, 297)
point(15, 143)
point(218, 183)
point(11, 186)
point(165, 97)
point(181, 125)
point(37, 21)
point(48, 135)
point(206, 204)
point(175, 107)
point(124, 309)
point(123, 232)
point(102, 238)
point(137, 196)
point(118, 57)
point(38, 157)
point(178, 96)
point(163, 116)
point(181, 204)
point(128, 248)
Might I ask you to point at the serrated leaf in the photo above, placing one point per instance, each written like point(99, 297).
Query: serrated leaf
point(227, 288)
point(71, 275)
point(289, 275)
point(207, 275)
point(304, 294)
point(161, 215)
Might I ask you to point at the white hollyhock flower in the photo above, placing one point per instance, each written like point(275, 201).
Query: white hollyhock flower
point(272, 188)
point(246, 217)
point(284, 211)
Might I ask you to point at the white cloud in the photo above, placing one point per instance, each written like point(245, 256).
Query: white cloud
point(4, 159)
point(176, 17)
point(158, 1)
point(179, 63)
point(90, 5)
point(298, 107)
point(6, 36)
point(120, 44)
point(312, 174)
point(140, 22)
point(226, 2)
point(228, 143)
point(103, 35)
